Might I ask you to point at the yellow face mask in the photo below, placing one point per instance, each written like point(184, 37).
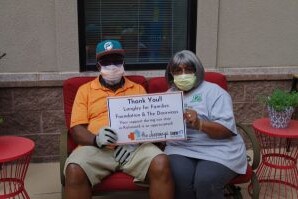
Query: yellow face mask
point(185, 82)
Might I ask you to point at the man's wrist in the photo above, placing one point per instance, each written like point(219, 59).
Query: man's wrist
point(95, 143)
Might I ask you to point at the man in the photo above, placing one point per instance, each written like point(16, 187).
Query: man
point(98, 155)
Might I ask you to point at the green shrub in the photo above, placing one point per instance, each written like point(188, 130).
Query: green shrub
point(280, 100)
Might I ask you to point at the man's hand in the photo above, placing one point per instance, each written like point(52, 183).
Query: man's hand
point(123, 153)
point(105, 137)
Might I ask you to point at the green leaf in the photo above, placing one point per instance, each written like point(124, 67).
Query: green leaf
point(280, 100)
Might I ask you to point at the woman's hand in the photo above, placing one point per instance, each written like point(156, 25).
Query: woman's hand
point(191, 118)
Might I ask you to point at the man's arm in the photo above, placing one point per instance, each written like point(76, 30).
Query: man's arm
point(82, 135)
point(105, 136)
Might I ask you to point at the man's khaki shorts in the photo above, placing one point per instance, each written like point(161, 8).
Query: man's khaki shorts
point(99, 163)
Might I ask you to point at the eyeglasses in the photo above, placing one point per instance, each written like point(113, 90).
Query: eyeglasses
point(183, 69)
point(111, 60)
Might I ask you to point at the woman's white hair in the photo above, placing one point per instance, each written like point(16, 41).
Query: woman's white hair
point(185, 57)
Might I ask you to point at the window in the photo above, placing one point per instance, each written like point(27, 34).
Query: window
point(151, 31)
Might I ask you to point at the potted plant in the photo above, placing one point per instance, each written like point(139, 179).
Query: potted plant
point(281, 105)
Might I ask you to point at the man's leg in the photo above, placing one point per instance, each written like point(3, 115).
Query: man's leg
point(77, 184)
point(210, 179)
point(160, 178)
point(183, 170)
point(84, 168)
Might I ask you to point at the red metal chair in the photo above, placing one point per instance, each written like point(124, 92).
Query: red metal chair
point(159, 84)
point(115, 182)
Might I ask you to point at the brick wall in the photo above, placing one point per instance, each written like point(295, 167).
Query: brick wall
point(36, 112)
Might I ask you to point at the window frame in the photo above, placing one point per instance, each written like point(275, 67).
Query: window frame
point(190, 43)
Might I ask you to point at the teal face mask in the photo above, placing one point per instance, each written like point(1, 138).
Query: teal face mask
point(185, 82)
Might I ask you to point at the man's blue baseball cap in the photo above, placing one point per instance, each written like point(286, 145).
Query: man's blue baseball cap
point(107, 47)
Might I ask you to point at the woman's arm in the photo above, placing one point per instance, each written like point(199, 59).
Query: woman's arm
point(212, 129)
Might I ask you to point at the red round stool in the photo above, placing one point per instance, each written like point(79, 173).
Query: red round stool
point(278, 171)
point(15, 155)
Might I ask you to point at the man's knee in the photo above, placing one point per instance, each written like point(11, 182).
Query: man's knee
point(75, 175)
point(160, 166)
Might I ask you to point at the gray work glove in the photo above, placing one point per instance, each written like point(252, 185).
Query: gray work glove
point(105, 137)
point(123, 153)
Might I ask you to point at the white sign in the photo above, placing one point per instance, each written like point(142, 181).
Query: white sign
point(147, 118)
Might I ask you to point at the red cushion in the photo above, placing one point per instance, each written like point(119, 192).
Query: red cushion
point(159, 84)
point(243, 178)
point(217, 78)
point(70, 87)
point(118, 181)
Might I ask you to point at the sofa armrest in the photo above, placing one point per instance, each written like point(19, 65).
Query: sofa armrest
point(63, 153)
point(247, 134)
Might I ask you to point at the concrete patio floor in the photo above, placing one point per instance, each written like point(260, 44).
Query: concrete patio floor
point(43, 182)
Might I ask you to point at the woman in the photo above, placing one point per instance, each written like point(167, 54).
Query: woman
point(213, 153)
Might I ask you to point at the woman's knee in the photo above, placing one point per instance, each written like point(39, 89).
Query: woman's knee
point(212, 176)
point(183, 169)
point(208, 184)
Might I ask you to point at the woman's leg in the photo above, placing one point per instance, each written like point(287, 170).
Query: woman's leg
point(210, 179)
point(183, 170)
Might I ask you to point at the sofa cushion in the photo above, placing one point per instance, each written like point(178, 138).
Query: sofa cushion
point(159, 84)
point(70, 87)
